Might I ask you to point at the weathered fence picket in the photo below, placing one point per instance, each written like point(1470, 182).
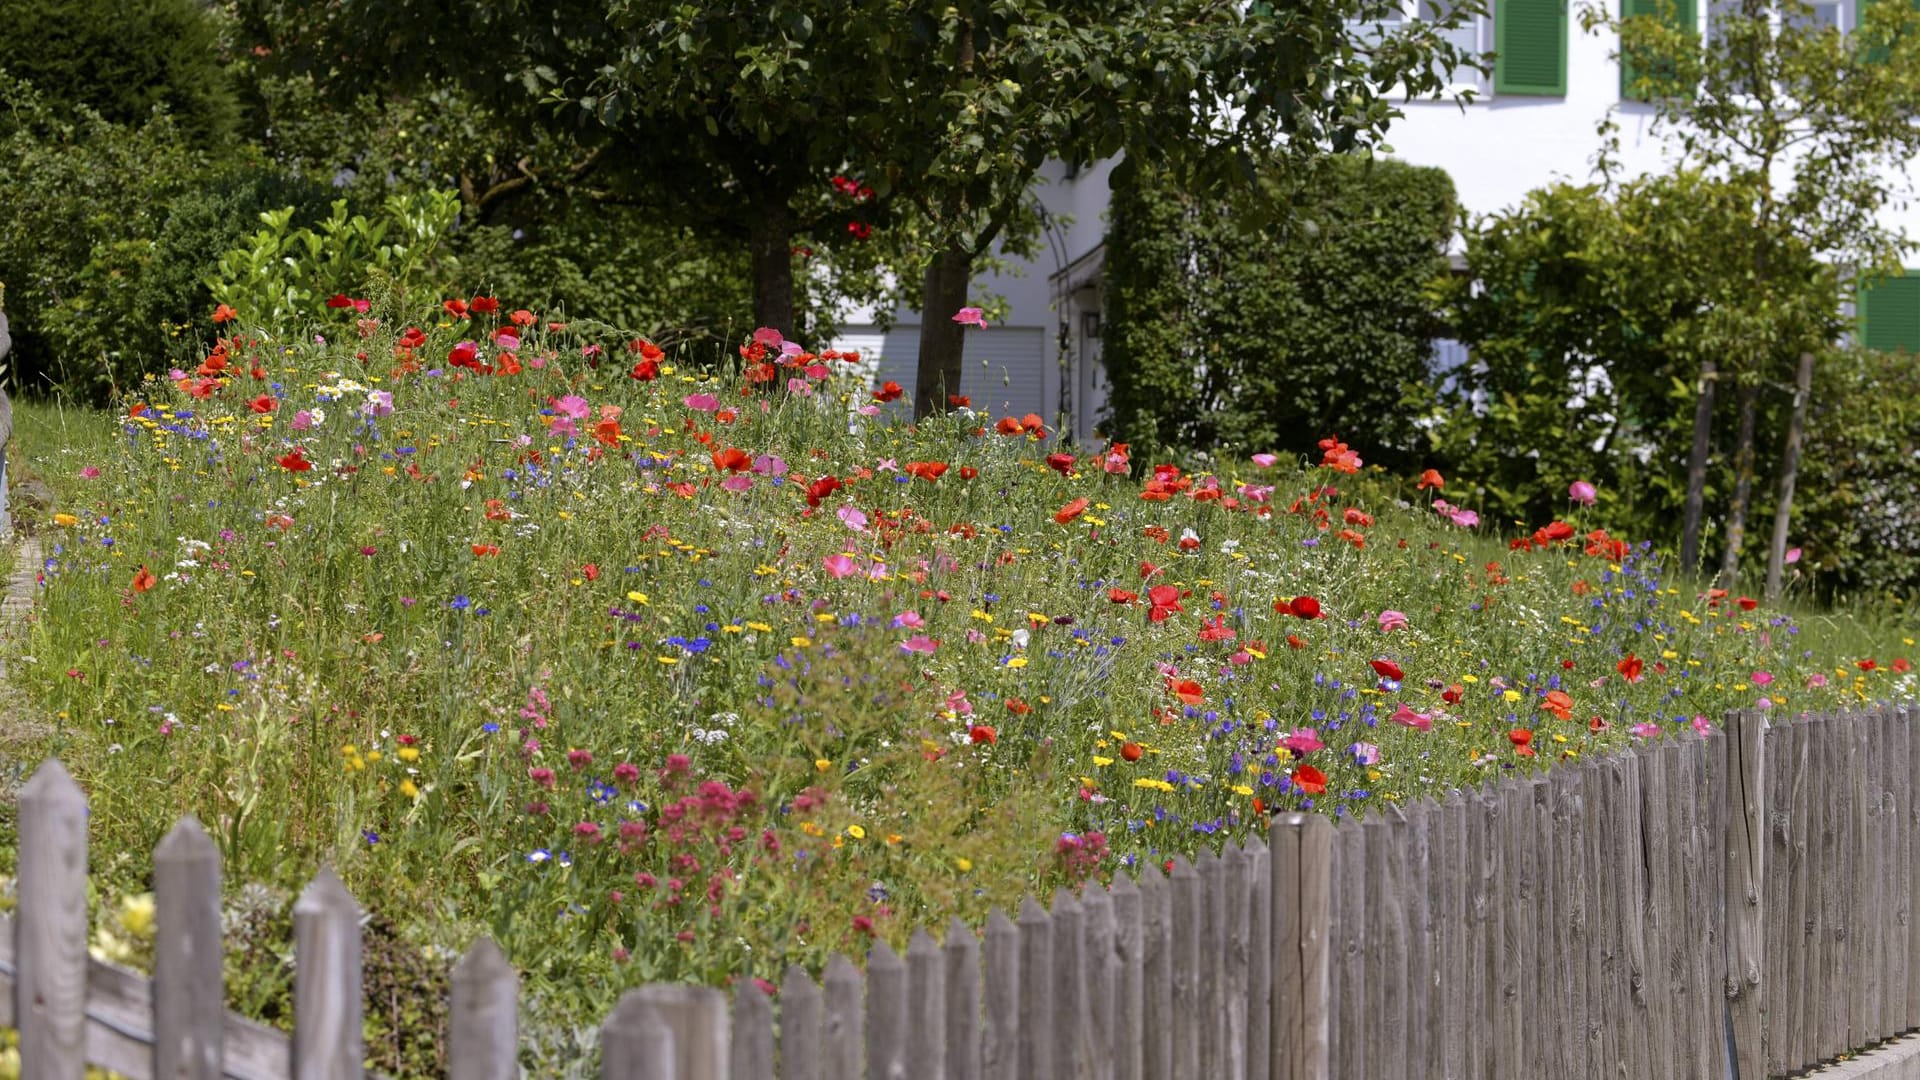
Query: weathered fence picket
point(1645, 913)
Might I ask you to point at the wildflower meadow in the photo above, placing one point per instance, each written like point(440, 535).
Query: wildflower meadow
point(656, 672)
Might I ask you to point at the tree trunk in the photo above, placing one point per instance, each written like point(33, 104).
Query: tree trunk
point(772, 244)
point(1697, 467)
point(1742, 485)
point(942, 341)
point(1789, 472)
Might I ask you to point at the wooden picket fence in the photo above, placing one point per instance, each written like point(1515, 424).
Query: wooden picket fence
point(1732, 906)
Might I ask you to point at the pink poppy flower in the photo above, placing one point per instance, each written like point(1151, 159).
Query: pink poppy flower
point(970, 316)
point(1392, 620)
point(852, 517)
point(840, 566)
point(738, 482)
point(1365, 753)
point(701, 402)
point(919, 643)
point(1266, 461)
point(1408, 718)
point(1583, 493)
point(1303, 741)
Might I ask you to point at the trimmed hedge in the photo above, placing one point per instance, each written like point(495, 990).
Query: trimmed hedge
point(1226, 336)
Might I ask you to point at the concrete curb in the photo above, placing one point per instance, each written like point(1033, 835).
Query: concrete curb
point(1895, 1060)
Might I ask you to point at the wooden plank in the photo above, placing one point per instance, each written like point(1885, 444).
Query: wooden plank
point(1863, 1015)
point(1234, 978)
point(886, 1013)
point(1893, 756)
point(1797, 919)
point(636, 1043)
point(752, 1027)
point(1451, 885)
point(1565, 939)
point(962, 993)
point(1387, 871)
point(802, 1026)
point(1602, 1048)
point(189, 1003)
point(1099, 980)
point(120, 1017)
point(483, 1023)
point(50, 927)
point(1910, 757)
point(1353, 1035)
point(1484, 962)
point(1035, 1049)
point(1745, 861)
point(1129, 1004)
point(1656, 830)
point(1212, 954)
point(1852, 847)
point(1259, 885)
point(327, 1037)
point(1000, 1032)
point(1301, 853)
point(1705, 1001)
point(843, 1036)
point(927, 1007)
point(1536, 984)
point(697, 1017)
point(1069, 1028)
point(1513, 940)
point(1156, 905)
point(1837, 754)
point(1416, 871)
point(1684, 1012)
point(1631, 861)
point(1184, 922)
point(1785, 775)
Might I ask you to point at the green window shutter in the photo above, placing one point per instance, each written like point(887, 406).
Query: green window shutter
point(1890, 314)
point(1530, 42)
point(1685, 15)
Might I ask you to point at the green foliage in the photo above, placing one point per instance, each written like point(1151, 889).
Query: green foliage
point(284, 274)
point(126, 59)
point(1223, 337)
point(1858, 522)
point(75, 191)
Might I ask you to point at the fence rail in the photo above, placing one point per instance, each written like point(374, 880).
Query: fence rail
point(1739, 905)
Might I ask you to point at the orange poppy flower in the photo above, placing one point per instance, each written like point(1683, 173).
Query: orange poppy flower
point(143, 580)
point(926, 470)
point(1310, 780)
point(1070, 511)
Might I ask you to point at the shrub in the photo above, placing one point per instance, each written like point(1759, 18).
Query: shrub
point(1223, 335)
point(123, 60)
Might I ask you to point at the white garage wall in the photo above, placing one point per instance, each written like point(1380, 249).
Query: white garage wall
point(1004, 372)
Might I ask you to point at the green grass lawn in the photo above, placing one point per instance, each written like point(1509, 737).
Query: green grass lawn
point(657, 674)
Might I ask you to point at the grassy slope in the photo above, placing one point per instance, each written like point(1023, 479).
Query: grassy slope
point(326, 668)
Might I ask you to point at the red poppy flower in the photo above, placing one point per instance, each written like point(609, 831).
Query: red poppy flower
point(1186, 690)
point(1033, 424)
point(456, 308)
point(607, 433)
point(1357, 517)
point(1559, 703)
point(1310, 780)
point(482, 551)
point(645, 370)
point(224, 314)
point(1008, 426)
point(339, 300)
point(1522, 741)
point(1431, 479)
point(1902, 665)
point(959, 401)
point(1630, 668)
point(1304, 607)
point(1061, 463)
point(889, 391)
point(1388, 669)
point(1070, 511)
point(1867, 665)
point(1121, 596)
point(926, 470)
point(1018, 707)
point(1293, 642)
point(981, 733)
point(262, 404)
point(1130, 751)
point(144, 580)
point(1453, 694)
point(296, 461)
point(822, 488)
point(465, 354)
point(1747, 603)
point(485, 305)
point(733, 459)
point(590, 571)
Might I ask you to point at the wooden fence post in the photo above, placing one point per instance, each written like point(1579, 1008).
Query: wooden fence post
point(752, 1031)
point(962, 994)
point(635, 1042)
point(845, 1029)
point(1745, 919)
point(697, 1017)
point(1069, 995)
point(484, 1028)
point(801, 1017)
point(1129, 994)
point(1300, 847)
point(189, 998)
point(927, 1007)
point(886, 1014)
point(1035, 1055)
point(50, 934)
point(999, 1053)
point(1259, 885)
point(327, 1038)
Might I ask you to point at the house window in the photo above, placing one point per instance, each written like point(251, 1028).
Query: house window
point(1888, 314)
point(1376, 20)
point(1530, 46)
